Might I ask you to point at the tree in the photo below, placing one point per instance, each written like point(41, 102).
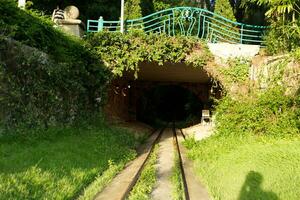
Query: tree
point(223, 8)
point(133, 9)
point(89, 9)
point(281, 9)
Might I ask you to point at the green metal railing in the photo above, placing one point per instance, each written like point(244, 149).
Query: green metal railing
point(188, 21)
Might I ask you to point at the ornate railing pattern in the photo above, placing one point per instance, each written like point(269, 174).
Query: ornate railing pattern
point(188, 21)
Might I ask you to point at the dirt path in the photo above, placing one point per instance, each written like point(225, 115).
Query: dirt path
point(163, 188)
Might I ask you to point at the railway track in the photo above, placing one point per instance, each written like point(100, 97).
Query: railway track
point(176, 143)
point(176, 133)
point(122, 185)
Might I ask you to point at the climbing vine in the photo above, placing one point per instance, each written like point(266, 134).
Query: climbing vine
point(236, 71)
point(46, 76)
point(124, 52)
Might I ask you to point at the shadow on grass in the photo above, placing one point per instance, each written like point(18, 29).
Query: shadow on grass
point(252, 190)
point(59, 163)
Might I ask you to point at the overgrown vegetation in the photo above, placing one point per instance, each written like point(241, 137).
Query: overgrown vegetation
point(124, 52)
point(283, 36)
point(139, 8)
point(46, 76)
point(254, 152)
point(236, 71)
point(223, 8)
point(61, 162)
point(147, 179)
point(255, 146)
point(89, 9)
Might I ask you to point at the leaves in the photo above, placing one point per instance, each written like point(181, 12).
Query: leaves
point(46, 76)
point(123, 52)
point(280, 8)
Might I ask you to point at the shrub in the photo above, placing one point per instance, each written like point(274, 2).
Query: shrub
point(270, 113)
point(46, 76)
point(237, 70)
point(223, 8)
point(282, 37)
point(133, 9)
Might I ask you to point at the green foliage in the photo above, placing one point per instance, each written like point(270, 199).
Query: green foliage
point(165, 4)
point(102, 180)
point(110, 9)
point(124, 52)
point(253, 134)
point(237, 70)
point(250, 13)
point(284, 34)
point(60, 86)
point(58, 163)
point(296, 54)
point(223, 8)
point(261, 167)
point(133, 9)
point(269, 113)
point(281, 9)
point(147, 179)
point(89, 9)
point(282, 37)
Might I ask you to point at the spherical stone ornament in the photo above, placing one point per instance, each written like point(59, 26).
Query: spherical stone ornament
point(71, 12)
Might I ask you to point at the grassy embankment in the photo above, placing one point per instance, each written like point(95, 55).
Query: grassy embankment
point(60, 162)
point(47, 87)
point(255, 152)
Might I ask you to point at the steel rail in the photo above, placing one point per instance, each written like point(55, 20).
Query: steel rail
point(136, 178)
point(186, 192)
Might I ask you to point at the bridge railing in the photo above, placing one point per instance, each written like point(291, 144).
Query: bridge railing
point(188, 21)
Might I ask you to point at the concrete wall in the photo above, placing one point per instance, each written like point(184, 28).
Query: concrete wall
point(227, 50)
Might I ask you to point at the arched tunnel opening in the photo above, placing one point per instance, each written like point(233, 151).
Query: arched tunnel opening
point(168, 103)
point(174, 92)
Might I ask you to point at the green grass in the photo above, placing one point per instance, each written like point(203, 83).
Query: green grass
point(60, 162)
point(177, 182)
point(101, 181)
point(255, 152)
point(249, 168)
point(147, 180)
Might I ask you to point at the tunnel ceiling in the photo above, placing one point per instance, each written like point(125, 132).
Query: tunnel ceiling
point(170, 72)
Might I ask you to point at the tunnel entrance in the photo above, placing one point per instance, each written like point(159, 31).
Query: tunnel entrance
point(168, 103)
point(172, 92)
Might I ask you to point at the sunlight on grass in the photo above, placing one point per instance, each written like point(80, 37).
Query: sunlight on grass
point(249, 168)
point(59, 163)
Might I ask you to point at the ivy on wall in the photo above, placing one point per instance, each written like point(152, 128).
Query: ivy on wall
point(46, 76)
point(124, 52)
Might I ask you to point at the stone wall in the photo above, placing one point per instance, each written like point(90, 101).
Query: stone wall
point(266, 69)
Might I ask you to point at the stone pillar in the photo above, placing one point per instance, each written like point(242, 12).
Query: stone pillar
point(72, 26)
point(69, 22)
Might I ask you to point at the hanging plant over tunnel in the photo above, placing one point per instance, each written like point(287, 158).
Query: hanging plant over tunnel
point(124, 52)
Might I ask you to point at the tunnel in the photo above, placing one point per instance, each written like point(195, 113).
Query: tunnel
point(168, 103)
point(169, 93)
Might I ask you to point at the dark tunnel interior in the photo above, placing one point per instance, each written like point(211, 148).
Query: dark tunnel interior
point(168, 103)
